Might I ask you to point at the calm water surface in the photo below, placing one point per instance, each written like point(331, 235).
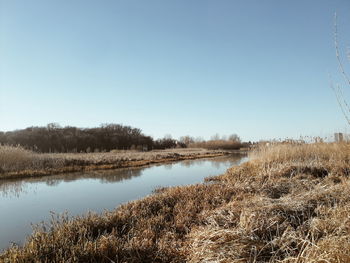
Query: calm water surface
point(30, 201)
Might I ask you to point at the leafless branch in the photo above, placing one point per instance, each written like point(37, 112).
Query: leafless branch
point(337, 53)
point(338, 90)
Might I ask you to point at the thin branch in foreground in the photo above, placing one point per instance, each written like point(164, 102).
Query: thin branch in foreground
point(342, 97)
point(338, 95)
point(337, 53)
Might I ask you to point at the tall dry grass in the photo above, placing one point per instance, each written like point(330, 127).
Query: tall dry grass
point(13, 159)
point(290, 203)
point(19, 162)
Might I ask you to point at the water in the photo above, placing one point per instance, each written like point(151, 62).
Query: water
point(24, 202)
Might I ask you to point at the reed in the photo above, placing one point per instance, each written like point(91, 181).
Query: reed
point(17, 162)
point(13, 159)
point(289, 203)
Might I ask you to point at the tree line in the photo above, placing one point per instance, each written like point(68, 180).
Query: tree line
point(107, 137)
point(231, 142)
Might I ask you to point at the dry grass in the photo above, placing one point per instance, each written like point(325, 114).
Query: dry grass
point(291, 203)
point(17, 162)
point(14, 159)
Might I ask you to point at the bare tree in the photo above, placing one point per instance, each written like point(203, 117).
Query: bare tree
point(215, 137)
point(234, 137)
point(338, 89)
point(186, 139)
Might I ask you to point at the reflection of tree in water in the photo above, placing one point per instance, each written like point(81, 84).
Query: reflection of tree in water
point(13, 188)
point(228, 161)
point(120, 175)
point(217, 162)
point(10, 188)
point(105, 176)
point(189, 163)
point(168, 166)
point(53, 182)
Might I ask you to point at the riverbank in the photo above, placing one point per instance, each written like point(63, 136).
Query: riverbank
point(21, 163)
point(289, 203)
point(80, 192)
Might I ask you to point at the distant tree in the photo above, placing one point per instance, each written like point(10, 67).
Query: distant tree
point(186, 140)
point(2, 138)
point(168, 136)
point(165, 143)
point(234, 137)
point(215, 137)
point(198, 139)
point(54, 138)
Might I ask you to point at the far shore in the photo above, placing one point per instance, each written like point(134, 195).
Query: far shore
point(58, 163)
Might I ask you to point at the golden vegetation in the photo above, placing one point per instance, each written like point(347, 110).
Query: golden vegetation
point(13, 159)
point(290, 203)
point(16, 162)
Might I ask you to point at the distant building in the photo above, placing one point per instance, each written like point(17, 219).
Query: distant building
point(338, 137)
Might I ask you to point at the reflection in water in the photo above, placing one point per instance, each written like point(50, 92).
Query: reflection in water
point(8, 188)
point(13, 188)
point(26, 201)
point(217, 162)
point(168, 166)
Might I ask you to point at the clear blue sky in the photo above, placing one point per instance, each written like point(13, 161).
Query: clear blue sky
point(258, 68)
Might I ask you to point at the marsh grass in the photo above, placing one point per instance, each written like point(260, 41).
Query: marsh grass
point(17, 158)
point(290, 203)
point(18, 162)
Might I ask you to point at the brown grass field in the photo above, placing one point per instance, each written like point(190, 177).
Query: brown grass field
point(289, 203)
point(16, 162)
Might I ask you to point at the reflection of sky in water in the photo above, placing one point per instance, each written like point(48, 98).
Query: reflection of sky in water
point(31, 200)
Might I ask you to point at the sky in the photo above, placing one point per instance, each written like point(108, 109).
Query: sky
point(257, 68)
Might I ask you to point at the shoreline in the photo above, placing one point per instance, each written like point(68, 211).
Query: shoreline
point(85, 165)
point(268, 205)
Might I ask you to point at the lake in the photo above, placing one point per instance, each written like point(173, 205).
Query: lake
point(24, 202)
